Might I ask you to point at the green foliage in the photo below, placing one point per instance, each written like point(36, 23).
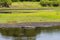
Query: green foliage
point(15, 0)
point(24, 0)
point(7, 1)
point(50, 2)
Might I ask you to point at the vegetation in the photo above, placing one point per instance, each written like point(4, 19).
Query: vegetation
point(33, 16)
point(26, 5)
point(5, 3)
point(54, 3)
point(38, 16)
point(25, 0)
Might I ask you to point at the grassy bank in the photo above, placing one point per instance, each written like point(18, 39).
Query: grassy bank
point(39, 16)
point(30, 15)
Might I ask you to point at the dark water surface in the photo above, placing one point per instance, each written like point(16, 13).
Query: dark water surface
point(41, 33)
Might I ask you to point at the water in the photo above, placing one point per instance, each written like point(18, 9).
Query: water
point(49, 33)
point(54, 35)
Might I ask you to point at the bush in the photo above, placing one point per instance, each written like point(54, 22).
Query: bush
point(5, 3)
point(54, 3)
point(43, 3)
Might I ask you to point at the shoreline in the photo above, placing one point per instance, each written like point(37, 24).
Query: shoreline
point(30, 25)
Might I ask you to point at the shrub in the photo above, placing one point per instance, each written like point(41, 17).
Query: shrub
point(54, 3)
point(5, 3)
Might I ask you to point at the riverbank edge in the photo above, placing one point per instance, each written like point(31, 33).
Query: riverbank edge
point(30, 25)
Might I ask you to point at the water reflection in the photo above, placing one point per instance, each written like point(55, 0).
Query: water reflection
point(18, 33)
point(49, 33)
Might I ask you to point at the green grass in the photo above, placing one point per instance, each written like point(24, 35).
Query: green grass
point(39, 16)
point(26, 4)
point(34, 16)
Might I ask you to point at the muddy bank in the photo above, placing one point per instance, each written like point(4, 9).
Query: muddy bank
point(31, 24)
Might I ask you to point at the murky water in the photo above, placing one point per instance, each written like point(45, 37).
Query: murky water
point(49, 33)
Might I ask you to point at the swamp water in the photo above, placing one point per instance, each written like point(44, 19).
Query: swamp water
point(49, 33)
